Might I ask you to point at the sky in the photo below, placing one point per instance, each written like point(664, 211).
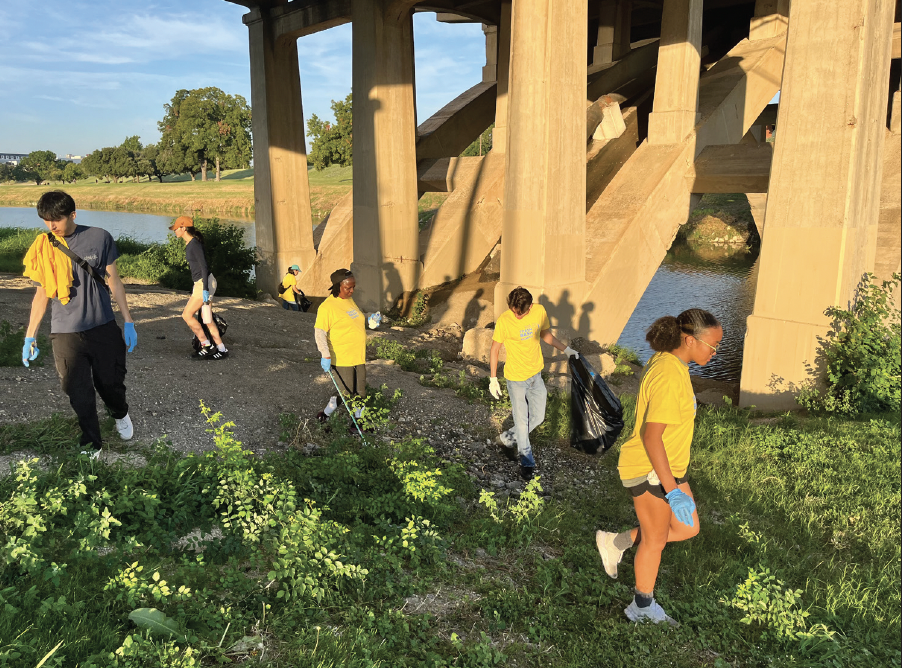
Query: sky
point(79, 75)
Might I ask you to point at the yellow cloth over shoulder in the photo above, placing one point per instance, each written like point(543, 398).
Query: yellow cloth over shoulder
point(50, 267)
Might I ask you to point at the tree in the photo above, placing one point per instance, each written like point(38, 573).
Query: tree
point(207, 125)
point(72, 172)
point(332, 143)
point(37, 166)
point(481, 145)
point(7, 172)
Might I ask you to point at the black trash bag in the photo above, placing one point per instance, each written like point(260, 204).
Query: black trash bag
point(596, 415)
point(221, 325)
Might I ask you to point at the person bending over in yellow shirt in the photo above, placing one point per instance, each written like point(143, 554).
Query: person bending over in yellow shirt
point(654, 460)
point(519, 330)
point(340, 335)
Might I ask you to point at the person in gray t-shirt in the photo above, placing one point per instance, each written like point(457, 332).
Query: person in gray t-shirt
point(88, 346)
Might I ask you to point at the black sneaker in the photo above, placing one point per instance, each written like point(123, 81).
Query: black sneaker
point(205, 353)
point(527, 472)
point(218, 354)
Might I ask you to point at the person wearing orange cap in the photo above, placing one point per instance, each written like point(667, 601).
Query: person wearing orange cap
point(203, 291)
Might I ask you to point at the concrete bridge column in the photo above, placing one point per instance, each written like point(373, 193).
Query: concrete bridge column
point(613, 31)
point(386, 233)
point(281, 191)
point(824, 193)
point(675, 110)
point(499, 133)
point(544, 206)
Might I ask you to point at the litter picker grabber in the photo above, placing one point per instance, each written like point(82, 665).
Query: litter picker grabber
point(350, 412)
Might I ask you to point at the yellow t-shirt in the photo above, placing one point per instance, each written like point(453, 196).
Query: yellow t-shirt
point(288, 283)
point(347, 330)
point(665, 396)
point(521, 342)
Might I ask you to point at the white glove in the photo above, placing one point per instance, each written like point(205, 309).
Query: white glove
point(569, 352)
point(494, 387)
point(374, 320)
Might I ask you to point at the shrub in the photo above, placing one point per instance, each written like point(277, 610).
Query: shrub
point(861, 354)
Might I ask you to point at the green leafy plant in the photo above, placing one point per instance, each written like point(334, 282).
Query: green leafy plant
point(861, 354)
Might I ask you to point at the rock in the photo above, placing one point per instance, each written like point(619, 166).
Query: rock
point(513, 485)
point(480, 553)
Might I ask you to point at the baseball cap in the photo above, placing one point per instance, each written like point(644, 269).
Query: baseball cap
point(339, 275)
point(182, 221)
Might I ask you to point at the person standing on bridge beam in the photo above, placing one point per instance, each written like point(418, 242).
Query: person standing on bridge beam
point(519, 330)
point(654, 460)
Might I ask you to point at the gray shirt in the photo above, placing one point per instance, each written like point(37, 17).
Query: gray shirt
point(89, 303)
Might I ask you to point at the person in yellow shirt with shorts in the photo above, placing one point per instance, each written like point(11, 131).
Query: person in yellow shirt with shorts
point(340, 335)
point(654, 460)
point(519, 330)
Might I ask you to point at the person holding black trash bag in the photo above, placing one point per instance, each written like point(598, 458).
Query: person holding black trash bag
point(519, 330)
point(654, 461)
point(292, 298)
point(340, 335)
point(202, 292)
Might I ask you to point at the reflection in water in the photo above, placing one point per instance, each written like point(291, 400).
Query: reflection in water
point(144, 227)
point(720, 280)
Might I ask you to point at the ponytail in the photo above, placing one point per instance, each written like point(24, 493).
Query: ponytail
point(666, 334)
point(195, 233)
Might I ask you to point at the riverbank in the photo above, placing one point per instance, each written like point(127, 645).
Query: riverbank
point(392, 559)
point(232, 196)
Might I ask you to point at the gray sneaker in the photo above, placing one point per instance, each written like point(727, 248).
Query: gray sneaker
point(610, 555)
point(653, 613)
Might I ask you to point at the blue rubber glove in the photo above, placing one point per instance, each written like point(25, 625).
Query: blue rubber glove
point(130, 336)
point(682, 506)
point(29, 350)
point(326, 364)
point(206, 296)
point(374, 320)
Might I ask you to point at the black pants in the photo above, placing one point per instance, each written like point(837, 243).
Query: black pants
point(352, 379)
point(89, 360)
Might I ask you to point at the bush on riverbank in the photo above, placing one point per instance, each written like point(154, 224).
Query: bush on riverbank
point(861, 356)
point(382, 556)
point(231, 261)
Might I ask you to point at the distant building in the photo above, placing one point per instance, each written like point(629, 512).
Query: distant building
point(73, 158)
point(12, 158)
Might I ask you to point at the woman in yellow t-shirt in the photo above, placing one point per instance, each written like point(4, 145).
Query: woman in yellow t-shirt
point(290, 290)
point(340, 335)
point(654, 460)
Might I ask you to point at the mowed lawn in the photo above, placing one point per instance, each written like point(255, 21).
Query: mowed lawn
point(233, 195)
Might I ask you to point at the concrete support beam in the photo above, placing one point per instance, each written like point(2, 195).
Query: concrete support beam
point(758, 206)
point(613, 31)
point(449, 131)
point(490, 69)
point(888, 259)
point(291, 22)
point(281, 190)
point(897, 41)
point(545, 173)
point(638, 63)
point(635, 219)
point(675, 110)
point(768, 116)
point(771, 19)
point(734, 168)
point(386, 231)
point(824, 196)
point(445, 175)
point(499, 133)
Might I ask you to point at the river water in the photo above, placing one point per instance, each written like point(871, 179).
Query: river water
point(719, 280)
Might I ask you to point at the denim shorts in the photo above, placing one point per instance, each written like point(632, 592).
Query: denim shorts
point(649, 483)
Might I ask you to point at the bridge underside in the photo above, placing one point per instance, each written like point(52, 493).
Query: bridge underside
point(610, 117)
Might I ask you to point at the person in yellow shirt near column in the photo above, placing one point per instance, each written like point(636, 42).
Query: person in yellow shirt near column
point(654, 460)
point(340, 335)
point(290, 295)
point(519, 330)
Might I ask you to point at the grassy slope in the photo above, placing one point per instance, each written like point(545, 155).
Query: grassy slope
point(816, 501)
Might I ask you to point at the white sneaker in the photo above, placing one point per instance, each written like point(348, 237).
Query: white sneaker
point(125, 429)
point(610, 555)
point(93, 454)
point(508, 438)
point(653, 613)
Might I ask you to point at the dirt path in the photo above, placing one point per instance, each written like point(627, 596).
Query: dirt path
point(273, 368)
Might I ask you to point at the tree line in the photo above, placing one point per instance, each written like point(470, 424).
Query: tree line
point(202, 129)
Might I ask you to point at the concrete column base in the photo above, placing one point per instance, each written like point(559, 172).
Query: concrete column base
point(671, 127)
point(379, 287)
point(788, 346)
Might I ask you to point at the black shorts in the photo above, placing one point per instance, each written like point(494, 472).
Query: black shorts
point(654, 490)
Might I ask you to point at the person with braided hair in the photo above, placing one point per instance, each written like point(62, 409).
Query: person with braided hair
point(654, 460)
